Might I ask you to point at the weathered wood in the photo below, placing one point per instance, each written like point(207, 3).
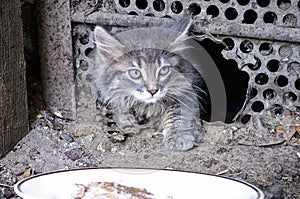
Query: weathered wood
point(13, 98)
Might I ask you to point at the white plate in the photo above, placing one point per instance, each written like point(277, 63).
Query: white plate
point(161, 183)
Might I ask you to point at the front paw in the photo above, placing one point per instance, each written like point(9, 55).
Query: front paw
point(180, 141)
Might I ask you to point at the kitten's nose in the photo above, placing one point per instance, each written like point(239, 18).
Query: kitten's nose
point(152, 91)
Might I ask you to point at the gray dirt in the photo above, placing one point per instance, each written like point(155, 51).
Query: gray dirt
point(55, 143)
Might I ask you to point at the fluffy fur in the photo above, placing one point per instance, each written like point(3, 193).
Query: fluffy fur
point(141, 70)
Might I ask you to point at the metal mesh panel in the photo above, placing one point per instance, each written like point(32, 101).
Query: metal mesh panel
point(262, 37)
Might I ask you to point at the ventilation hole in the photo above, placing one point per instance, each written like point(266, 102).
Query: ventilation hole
point(269, 94)
point(299, 5)
point(83, 65)
point(150, 15)
point(253, 93)
point(250, 17)
point(84, 39)
point(281, 81)
point(231, 13)
point(230, 72)
point(297, 110)
point(176, 7)
point(270, 17)
point(167, 16)
point(255, 66)
point(289, 97)
point(257, 106)
point(159, 5)
point(297, 84)
point(88, 51)
point(132, 13)
point(212, 10)
point(246, 46)
point(285, 51)
point(276, 109)
point(263, 3)
point(243, 2)
point(261, 79)
point(141, 4)
point(265, 48)
point(194, 9)
point(290, 20)
point(245, 119)
point(224, 1)
point(273, 65)
point(293, 67)
point(124, 3)
point(229, 43)
point(283, 4)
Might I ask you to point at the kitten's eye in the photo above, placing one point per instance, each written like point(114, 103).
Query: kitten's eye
point(134, 73)
point(164, 70)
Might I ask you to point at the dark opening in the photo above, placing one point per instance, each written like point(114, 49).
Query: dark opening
point(261, 78)
point(265, 48)
point(124, 3)
point(231, 13)
point(159, 5)
point(246, 46)
point(253, 92)
point(270, 17)
point(212, 10)
point(245, 119)
point(176, 7)
point(250, 17)
point(273, 65)
point(281, 81)
point(150, 15)
point(269, 94)
point(132, 13)
point(297, 84)
point(32, 59)
point(88, 51)
point(289, 97)
point(229, 43)
point(194, 9)
point(263, 3)
point(257, 106)
point(243, 2)
point(235, 80)
point(224, 1)
point(141, 4)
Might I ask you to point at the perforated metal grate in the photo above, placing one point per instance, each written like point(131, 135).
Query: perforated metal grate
point(261, 36)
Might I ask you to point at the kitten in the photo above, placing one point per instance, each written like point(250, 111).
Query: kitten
point(143, 70)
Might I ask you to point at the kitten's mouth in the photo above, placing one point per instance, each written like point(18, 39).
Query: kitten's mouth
point(147, 97)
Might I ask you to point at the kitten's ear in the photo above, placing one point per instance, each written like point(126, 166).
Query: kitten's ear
point(182, 26)
point(108, 47)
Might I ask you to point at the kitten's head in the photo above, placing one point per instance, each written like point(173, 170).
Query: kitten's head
point(138, 69)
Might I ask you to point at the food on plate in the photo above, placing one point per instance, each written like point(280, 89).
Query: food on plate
point(110, 190)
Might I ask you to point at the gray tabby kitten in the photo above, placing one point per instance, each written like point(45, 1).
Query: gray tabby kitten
point(153, 80)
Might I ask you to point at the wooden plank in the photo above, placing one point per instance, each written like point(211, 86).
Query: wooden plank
point(13, 98)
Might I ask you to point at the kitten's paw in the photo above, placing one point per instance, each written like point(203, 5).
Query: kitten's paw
point(180, 142)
